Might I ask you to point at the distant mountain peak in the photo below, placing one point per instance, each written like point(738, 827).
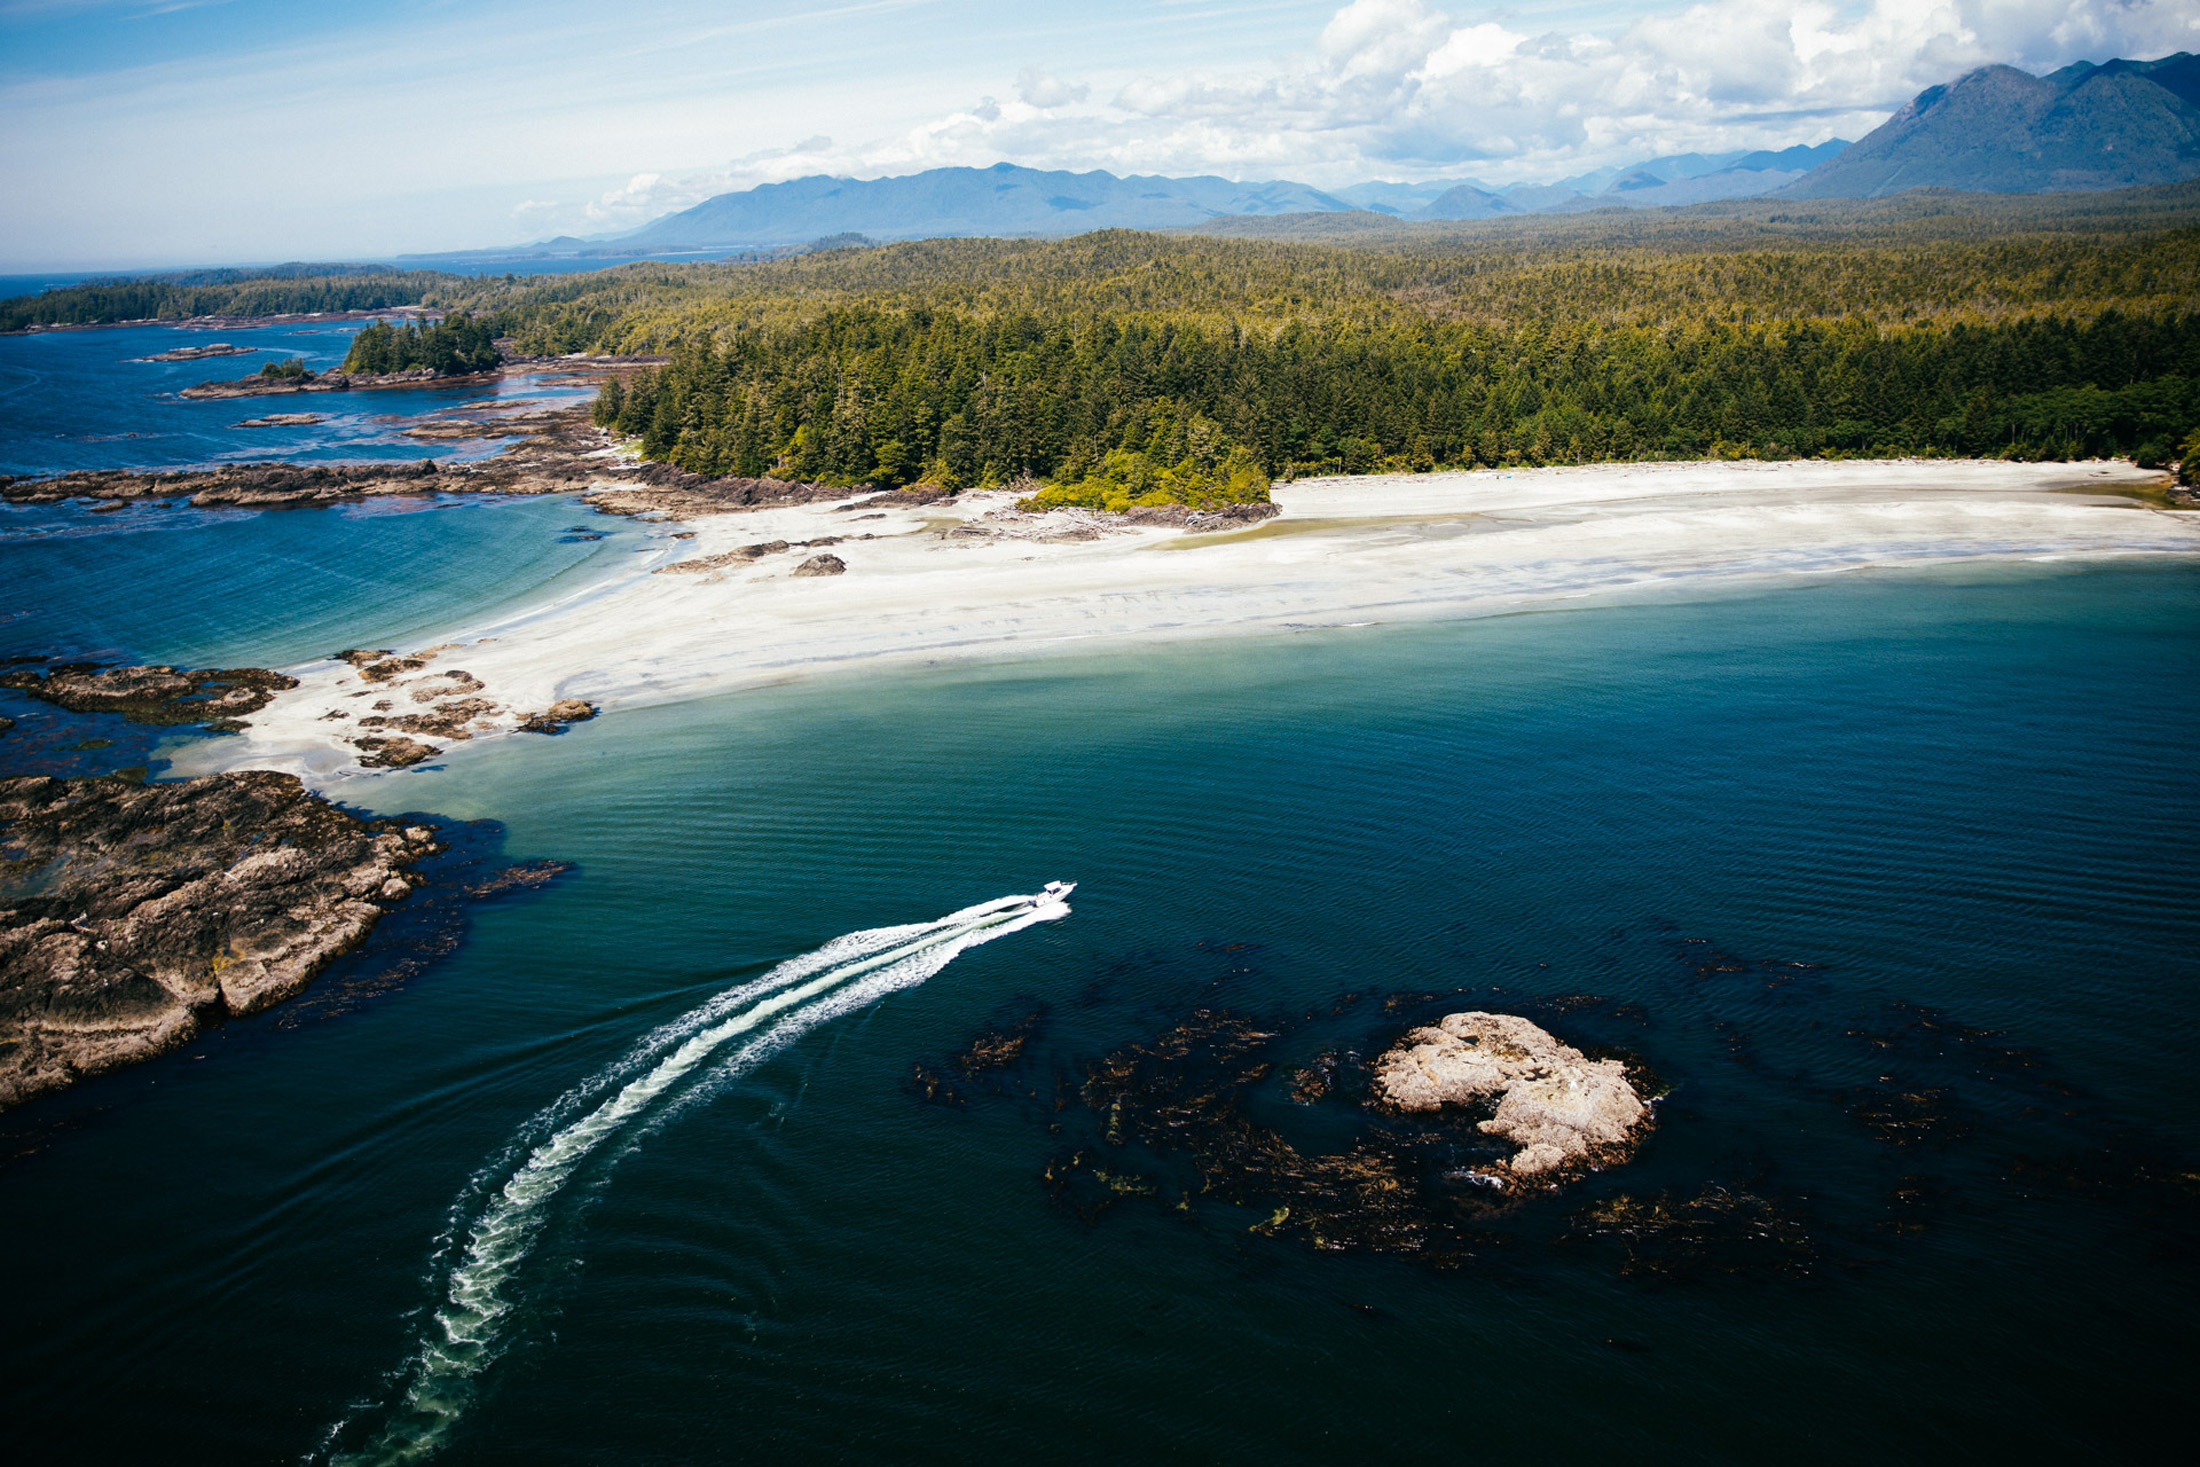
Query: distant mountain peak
point(2120, 124)
point(1004, 199)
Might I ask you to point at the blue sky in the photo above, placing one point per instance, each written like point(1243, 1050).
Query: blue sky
point(146, 132)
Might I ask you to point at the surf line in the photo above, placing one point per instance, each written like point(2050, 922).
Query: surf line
point(502, 1222)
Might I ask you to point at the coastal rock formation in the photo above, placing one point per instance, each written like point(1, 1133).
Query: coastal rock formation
point(392, 751)
point(378, 665)
point(740, 555)
point(131, 915)
point(559, 716)
point(254, 486)
point(156, 694)
point(331, 382)
point(563, 452)
point(1199, 519)
point(200, 353)
point(673, 493)
point(283, 420)
point(448, 720)
point(1561, 1109)
point(816, 565)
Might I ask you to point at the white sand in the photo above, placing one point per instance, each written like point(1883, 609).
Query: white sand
point(1344, 551)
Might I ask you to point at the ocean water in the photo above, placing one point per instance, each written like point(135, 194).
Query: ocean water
point(88, 400)
point(267, 588)
point(1805, 851)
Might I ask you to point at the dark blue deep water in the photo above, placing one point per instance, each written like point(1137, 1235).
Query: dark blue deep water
point(1891, 878)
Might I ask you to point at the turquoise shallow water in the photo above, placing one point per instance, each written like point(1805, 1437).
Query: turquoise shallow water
point(269, 588)
point(1964, 796)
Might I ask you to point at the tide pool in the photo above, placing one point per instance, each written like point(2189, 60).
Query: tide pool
point(1891, 833)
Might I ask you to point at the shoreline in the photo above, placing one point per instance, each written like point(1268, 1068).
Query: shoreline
point(974, 579)
point(226, 323)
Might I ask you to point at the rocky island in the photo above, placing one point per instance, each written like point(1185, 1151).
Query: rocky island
point(1563, 1111)
point(200, 353)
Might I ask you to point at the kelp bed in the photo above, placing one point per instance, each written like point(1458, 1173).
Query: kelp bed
point(1803, 1128)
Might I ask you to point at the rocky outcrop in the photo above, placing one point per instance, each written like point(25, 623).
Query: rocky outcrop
point(1199, 519)
point(283, 420)
point(561, 452)
point(200, 353)
point(741, 555)
point(448, 720)
point(672, 493)
point(1562, 1110)
point(392, 751)
point(131, 915)
point(156, 694)
point(559, 716)
point(332, 382)
point(449, 707)
point(252, 486)
point(821, 565)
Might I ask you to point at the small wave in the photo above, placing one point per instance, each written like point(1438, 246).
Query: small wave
point(507, 1205)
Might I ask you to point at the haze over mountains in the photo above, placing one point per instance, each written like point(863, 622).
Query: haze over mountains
point(1994, 130)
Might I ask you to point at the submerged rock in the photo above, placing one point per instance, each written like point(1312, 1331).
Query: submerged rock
point(1561, 1109)
point(131, 915)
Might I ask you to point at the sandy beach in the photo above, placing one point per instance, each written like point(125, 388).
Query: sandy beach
point(974, 578)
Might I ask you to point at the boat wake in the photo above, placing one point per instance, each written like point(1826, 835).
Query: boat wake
point(505, 1208)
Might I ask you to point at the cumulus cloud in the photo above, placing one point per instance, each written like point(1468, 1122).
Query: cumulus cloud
point(1405, 86)
point(1044, 90)
point(1409, 89)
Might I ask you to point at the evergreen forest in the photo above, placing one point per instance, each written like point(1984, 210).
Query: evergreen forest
point(1120, 368)
point(458, 343)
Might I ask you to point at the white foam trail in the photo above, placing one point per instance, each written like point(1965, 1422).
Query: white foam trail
point(795, 997)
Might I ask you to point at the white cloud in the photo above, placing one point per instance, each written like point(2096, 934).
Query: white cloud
point(1402, 86)
point(1488, 44)
point(1041, 89)
point(536, 117)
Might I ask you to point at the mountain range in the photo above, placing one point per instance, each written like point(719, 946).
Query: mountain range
point(1994, 130)
point(2000, 130)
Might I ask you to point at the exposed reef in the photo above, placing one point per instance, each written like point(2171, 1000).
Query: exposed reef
point(1561, 1109)
point(200, 353)
point(446, 703)
point(1811, 1134)
point(283, 420)
point(135, 914)
point(159, 694)
point(333, 382)
point(671, 493)
point(749, 554)
point(550, 452)
point(559, 716)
